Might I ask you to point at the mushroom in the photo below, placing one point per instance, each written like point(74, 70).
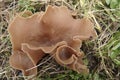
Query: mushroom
point(53, 32)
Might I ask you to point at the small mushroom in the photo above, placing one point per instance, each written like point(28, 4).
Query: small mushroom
point(55, 32)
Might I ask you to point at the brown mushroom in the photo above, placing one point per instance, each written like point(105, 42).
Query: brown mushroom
point(54, 32)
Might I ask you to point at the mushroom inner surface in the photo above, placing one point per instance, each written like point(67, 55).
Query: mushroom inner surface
point(65, 53)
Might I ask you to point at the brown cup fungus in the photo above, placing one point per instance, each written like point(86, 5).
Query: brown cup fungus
point(55, 32)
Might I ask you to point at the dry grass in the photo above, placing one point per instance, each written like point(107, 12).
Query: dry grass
point(97, 57)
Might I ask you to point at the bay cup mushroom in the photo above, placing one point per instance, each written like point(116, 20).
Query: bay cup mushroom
point(53, 32)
